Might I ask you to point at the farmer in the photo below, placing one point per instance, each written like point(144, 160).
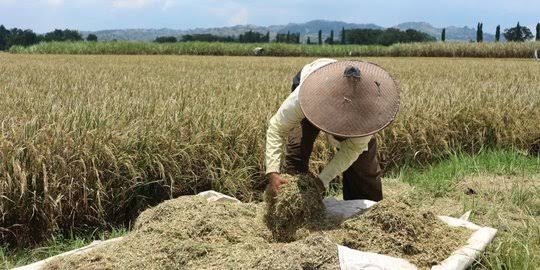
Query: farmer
point(350, 101)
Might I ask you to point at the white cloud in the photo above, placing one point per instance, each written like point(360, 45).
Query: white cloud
point(6, 2)
point(232, 13)
point(55, 2)
point(169, 4)
point(239, 17)
point(165, 4)
point(131, 3)
point(51, 3)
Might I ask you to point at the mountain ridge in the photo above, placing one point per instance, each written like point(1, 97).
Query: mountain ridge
point(307, 29)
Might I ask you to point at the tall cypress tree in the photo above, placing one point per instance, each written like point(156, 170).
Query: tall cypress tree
point(308, 40)
point(538, 32)
point(288, 37)
point(331, 37)
point(479, 33)
point(443, 35)
point(498, 33)
point(4, 33)
point(343, 35)
point(320, 37)
point(267, 37)
point(519, 33)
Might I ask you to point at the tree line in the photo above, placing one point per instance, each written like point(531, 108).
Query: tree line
point(16, 36)
point(246, 37)
point(351, 36)
point(386, 37)
point(515, 34)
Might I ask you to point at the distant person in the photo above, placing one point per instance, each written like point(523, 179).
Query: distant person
point(350, 101)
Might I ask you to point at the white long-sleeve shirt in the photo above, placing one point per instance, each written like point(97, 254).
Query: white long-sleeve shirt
point(290, 115)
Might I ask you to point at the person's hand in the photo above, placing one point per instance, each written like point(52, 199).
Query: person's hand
point(274, 182)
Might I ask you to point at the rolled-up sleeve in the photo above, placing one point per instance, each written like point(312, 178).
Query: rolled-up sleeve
point(287, 117)
point(348, 153)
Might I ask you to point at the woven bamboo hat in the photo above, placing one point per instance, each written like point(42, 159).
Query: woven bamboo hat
point(350, 98)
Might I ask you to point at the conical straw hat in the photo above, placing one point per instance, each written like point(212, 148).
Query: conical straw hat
point(350, 98)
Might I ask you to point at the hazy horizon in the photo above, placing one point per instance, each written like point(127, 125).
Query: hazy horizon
point(86, 15)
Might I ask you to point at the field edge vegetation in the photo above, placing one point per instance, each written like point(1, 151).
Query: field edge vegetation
point(423, 49)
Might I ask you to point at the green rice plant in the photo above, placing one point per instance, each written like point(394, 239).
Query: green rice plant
point(430, 49)
point(462, 49)
point(440, 177)
point(501, 190)
point(10, 258)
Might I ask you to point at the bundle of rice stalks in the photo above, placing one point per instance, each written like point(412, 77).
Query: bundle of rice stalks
point(298, 202)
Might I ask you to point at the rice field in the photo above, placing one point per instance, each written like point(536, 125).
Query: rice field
point(427, 49)
point(89, 141)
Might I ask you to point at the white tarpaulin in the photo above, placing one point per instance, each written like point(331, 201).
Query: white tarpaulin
point(459, 260)
point(350, 259)
point(346, 209)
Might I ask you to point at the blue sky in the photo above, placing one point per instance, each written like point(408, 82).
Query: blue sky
point(46, 15)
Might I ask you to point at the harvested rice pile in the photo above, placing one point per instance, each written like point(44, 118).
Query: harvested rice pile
point(394, 228)
point(191, 233)
point(299, 201)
